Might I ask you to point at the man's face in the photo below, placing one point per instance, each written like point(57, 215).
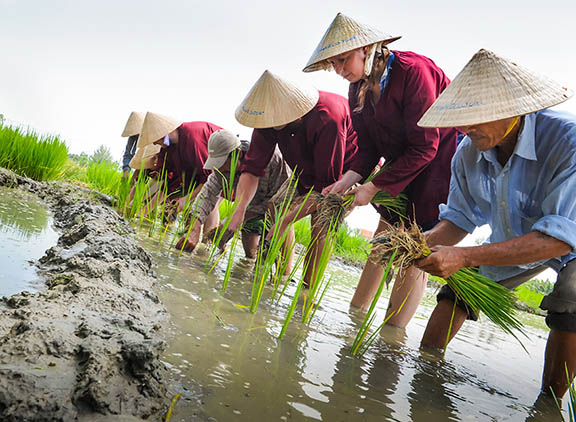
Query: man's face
point(350, 65)
point(485, 136)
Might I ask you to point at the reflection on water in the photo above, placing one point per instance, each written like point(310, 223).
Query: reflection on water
point(25, 234)
point(246, 374)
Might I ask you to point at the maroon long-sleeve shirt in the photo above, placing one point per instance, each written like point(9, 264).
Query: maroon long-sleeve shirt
point(419, 159)
point(320, 145)
point(185, 159)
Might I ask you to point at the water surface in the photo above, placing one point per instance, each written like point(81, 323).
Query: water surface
point(247, 374)
point(25, 234)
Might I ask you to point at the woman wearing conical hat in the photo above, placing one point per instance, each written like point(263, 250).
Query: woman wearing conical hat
point(515, 171)
point(184, 152)
point(389, 92)
point(313, 131)
point(132, 131)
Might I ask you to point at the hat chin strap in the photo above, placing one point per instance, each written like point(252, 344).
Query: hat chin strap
point(370, 54)
point(512, 125)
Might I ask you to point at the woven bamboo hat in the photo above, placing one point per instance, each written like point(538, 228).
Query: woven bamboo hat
point(273, 101)
point(344, 34)
point(156, 126)
point(491, 88)
point(144, 157)
point(134, 124)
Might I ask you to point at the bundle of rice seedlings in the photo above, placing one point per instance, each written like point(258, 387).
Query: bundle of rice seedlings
point(477, 291)
point(334, 206)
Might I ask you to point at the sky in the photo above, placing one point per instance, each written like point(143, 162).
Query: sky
point(78, 68)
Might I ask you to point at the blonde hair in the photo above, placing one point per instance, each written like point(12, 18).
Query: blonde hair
point(374, 66)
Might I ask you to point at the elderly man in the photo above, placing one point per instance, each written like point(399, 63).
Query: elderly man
point(516, 171)
point(221, 145)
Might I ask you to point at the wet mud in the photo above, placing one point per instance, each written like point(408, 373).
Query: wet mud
point(89, 344)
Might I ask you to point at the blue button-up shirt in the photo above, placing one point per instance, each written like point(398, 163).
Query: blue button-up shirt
point(534, 191)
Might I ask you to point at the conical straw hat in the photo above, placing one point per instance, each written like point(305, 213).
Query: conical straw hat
point(134, 124)
point(344, 34)
point(144, 157)
point(491, 88)
point(156, 126)
point(273, 101)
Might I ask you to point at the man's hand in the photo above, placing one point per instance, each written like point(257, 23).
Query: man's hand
point(190, 244)
point(443, 261)
point(363, 194)
point(236, 220)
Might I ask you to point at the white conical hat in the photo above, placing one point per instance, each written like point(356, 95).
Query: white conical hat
point(144, 157)
point(156, 126)
point(344, 34)
point(273, 101)
point(491, 88)
point(134, 124)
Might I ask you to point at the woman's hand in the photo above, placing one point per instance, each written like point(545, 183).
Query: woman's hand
point(363, 194)
point(342, 185)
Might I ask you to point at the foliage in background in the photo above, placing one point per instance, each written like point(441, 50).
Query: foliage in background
point(350, 243)
point(40, 157)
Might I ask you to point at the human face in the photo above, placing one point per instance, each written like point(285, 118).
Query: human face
point(485, 136)
point(350, 65)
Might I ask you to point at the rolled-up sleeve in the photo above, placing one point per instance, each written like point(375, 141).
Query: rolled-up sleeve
point(461, 209)
point(259, 154)
point(559, 206)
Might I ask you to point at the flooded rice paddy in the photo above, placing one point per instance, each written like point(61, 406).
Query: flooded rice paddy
point(246, 374)
point(25, 234)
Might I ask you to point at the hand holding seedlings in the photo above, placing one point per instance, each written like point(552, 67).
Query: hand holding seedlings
point(189, 243)
point(363, 194)
point(443, 261)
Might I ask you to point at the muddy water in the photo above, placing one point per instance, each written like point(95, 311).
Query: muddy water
point(247, 374)
point(25, 234)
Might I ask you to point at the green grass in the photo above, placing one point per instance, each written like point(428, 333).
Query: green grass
point(350, 244)
point(40, 157)
point(526, 295)
point(104, 177)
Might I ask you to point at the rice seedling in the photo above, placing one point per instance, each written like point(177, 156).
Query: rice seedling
point(104, 177)
point(293, 304)
point(337, 206)
point(571, 398)
point(477, 291)
point(318, 283)
point(359, 346)
point(217, 236)
point(40, 157)
point(268, 257)
point(231, 254)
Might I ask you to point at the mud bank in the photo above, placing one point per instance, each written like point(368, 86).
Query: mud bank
point(90, 343)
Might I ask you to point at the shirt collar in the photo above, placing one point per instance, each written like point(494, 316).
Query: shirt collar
point(526, 145)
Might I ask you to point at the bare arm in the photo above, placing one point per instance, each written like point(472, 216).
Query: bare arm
point(247, 187)
point(532, 247)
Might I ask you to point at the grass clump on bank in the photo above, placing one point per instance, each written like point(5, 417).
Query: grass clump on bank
point(26, 153)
